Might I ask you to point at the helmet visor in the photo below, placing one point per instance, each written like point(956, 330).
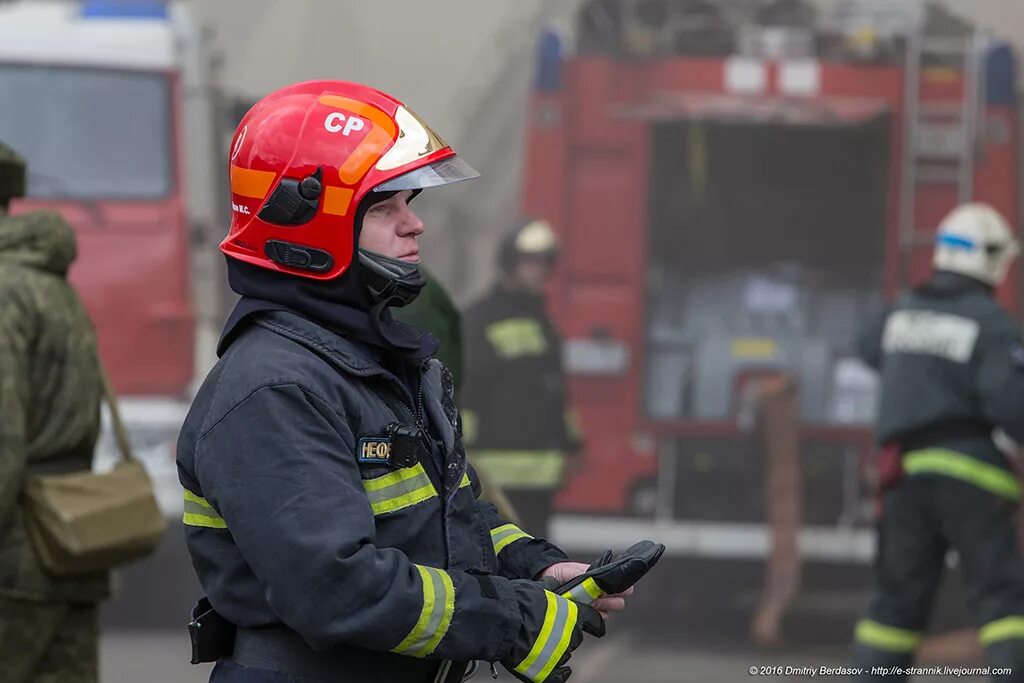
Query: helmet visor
point(443, 172)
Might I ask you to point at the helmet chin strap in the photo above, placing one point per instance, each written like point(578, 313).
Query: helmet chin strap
point(391, 281)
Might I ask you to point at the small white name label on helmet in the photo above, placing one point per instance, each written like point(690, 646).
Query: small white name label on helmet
point(934, 334)
point(336, 122)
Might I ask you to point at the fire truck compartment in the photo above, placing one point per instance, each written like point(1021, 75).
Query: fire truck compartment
point(723, 480)
point(766, 244)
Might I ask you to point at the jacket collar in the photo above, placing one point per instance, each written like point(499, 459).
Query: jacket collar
point(946, 284)
point(352, 357)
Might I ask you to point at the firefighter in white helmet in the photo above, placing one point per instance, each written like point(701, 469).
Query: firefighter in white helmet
point(952, 373)
point(514, 404)
point(977, 242)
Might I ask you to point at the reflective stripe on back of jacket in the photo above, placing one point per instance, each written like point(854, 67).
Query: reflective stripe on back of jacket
point(949, 355)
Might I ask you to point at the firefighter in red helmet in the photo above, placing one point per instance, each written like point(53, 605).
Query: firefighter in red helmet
point(331, 515)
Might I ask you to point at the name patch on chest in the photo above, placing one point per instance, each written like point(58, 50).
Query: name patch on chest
point(375, 450)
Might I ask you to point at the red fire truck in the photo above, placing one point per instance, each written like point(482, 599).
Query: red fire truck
point(106, 101)
point(735, 193)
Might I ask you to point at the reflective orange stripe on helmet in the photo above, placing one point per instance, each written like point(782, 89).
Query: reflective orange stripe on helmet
point(304, 158)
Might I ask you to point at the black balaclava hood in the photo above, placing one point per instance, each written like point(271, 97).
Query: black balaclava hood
point(343, 305)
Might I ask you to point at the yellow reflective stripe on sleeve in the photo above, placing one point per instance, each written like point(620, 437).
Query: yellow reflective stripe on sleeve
point(199, 513)
point(517, 337)
point(205, 521)
point(559, 622)
point(392, 478)
point(888, 638)
point(563, 642)
point(193, 498)
point(586, 593)
point(1007, 628)
point(435, 617)
point(965, 468)
point(398, 490)
point(522, 468)
point(502, 536)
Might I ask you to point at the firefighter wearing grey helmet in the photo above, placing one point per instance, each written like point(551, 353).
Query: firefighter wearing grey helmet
point(951, 362)
point(12, 175)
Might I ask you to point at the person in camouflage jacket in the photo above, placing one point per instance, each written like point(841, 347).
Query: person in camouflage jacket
point(50, 393)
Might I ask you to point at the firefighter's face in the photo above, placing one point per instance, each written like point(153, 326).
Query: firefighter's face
point(533, 272)
point(392, 229)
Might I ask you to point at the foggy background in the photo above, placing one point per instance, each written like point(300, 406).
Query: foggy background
point(468, 68)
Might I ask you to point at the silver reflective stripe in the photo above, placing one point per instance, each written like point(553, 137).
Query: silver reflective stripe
point(506, 535)
point(199, 513)
point(435, 615)
point(561, 619)
point(197, 509)
point(587, 592)
point(398, 490)
point(553, 640)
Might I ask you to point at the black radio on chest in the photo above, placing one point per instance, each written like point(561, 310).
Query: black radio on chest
point(405, 444)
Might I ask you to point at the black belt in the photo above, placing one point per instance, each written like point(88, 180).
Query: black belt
point(940, 434)
point(284, 650)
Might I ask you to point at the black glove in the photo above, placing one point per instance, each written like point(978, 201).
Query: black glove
point(609, 575)
point(540, 653)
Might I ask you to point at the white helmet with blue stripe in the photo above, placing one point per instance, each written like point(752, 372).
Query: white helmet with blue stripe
point(976, 241)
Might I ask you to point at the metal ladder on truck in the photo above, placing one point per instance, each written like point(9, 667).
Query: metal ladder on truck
point(941, 140)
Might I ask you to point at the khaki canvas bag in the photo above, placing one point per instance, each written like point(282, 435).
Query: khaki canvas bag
point(84, 522)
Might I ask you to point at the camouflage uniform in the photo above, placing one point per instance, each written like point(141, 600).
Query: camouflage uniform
point(12, 175)
point(48, 642)
point(50, 392)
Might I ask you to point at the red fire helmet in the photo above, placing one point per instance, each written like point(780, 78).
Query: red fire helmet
point(304, 158)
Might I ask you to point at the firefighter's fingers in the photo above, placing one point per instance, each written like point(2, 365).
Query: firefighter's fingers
point(610, 604)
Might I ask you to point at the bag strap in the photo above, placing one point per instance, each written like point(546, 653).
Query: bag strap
point(124, 444)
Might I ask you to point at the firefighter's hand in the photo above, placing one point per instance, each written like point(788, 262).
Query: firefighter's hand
point(566, 571)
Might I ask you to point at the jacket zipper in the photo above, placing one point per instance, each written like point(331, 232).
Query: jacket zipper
point(415, 409)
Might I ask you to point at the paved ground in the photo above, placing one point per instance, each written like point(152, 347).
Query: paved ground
point(162, 657)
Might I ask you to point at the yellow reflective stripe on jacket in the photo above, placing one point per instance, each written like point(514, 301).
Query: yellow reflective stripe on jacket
point(559, 622)
point(963, 467)
point(435, 617)
point(517, 337)
point(889, 638)
point(199, 512)
point(1007, 628)
point(398, 490)
point(587, 592)
point(522, 468)
point(506, 535)
point(465, 481)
